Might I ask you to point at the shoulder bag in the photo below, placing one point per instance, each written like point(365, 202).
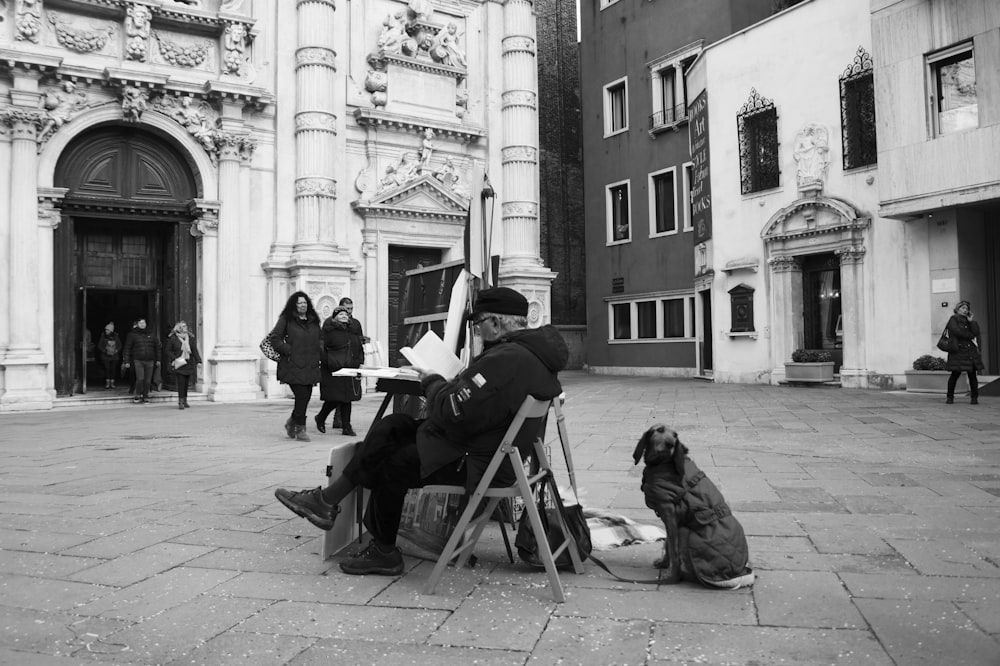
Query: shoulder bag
point(946, 343)
point(268, 350)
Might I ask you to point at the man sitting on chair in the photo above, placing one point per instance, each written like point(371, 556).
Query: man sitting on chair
point(466, 420)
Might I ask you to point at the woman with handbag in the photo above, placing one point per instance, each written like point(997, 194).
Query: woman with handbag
point(341, 349)
point(963, 354)
point(296, 336)
point(183, 359)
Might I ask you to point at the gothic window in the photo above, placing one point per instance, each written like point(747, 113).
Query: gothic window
point(757, 125)
point(857, 112)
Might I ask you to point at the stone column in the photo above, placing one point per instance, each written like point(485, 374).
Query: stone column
point(5, 314)
point(315, 127)
point(786, 312)
point(228, 286)
point(854, 369)
point(521, 267)
point(25, 365)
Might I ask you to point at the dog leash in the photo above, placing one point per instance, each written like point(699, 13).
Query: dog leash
point(598, 562)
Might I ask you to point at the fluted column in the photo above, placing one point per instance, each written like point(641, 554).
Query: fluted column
point(519, 153)
point(5, 314)
point(315, 126)
point(786, 310)
point(228, 285)
point(854, 368)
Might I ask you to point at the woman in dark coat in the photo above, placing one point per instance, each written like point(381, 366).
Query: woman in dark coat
point(183, 359)
point(341, 348)
point(964, 355)
point(296, 337)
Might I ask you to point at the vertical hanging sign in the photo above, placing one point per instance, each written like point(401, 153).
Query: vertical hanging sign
point(701, 185)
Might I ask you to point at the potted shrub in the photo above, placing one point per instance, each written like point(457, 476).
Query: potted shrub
point(929, 376)
point(810, 365)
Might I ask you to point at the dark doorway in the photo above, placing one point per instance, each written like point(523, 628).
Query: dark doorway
point(706, 327)
point(402, 259)
point(822, 324)
point(123, 248)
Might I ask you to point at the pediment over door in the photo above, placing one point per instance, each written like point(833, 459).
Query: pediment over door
point(424, 198)
point(811, 225)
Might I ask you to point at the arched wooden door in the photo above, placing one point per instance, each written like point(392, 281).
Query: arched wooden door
point(123, 249)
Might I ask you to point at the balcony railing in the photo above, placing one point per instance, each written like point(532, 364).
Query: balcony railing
point(666, 117)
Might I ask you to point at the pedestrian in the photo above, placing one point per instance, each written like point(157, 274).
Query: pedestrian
point(296, 336)
point(109, 351)
point(355, 327)
point(467, 417)
point(340, 350)
point(142, 354)
point(183, 357)
point(964, 355)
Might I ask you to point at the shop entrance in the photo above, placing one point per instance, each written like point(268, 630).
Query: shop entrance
point(822, 322)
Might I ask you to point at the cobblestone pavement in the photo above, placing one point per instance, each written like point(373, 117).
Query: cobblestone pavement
point(148, 535)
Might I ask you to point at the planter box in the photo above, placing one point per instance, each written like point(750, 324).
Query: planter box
point(934, 381)
point(809, 372)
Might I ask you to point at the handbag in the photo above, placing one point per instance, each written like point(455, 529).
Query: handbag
point(527, 549)
point(946, 343)
point(268, 350)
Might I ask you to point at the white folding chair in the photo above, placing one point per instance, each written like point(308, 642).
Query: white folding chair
point(470, 526)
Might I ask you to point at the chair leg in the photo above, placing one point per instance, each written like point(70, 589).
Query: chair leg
point(473, 539)
point(448, 554)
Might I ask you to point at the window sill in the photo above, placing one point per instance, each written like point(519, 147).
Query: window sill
point(646, 341)
point(675, 126)
point(742, 334)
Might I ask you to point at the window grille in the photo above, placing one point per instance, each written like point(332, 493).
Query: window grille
point(857, 112)
point(757, 125)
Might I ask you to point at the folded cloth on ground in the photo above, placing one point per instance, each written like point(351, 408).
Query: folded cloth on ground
point(610, 530)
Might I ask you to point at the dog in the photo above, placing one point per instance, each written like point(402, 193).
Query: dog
point(705, 542)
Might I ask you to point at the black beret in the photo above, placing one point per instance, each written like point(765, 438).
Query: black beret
point(500, 300)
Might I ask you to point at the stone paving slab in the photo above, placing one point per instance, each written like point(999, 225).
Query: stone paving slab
point(873, 521)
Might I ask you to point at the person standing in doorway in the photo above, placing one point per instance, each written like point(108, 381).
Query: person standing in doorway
point(142, 353)
point(109, 351)
point(296, 336)
point(183, 357)
point(964, 355)
point(340, 350)
point(354, 326)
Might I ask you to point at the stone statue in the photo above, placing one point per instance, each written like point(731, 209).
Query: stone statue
point(393, 34)
point(426, 148)
point(61, 106)
point(236, 44)
point(812, 155)
point(137, 32)
point(133, 103)
point(421, 9)
point(446, 174)
point(445, 49)
point(409, 168)
point(197, 121)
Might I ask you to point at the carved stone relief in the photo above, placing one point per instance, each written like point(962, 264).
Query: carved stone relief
point(137, 31)
point(61, 105)
point(175, 52)
point(74, 37)
point(28, 20)
point(812, 155)
point(134, 102)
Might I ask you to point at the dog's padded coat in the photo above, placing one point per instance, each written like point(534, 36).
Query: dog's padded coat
point(716, 544)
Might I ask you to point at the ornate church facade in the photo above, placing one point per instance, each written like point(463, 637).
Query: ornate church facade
point(201, 160)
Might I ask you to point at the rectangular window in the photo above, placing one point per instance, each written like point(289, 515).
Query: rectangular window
point(663, 203)
point(669, 87)
point(686, 201)
point(673, 318)
point(619, 220)
point(662, 317)
point(953, 81)
point(757, 125)
point(646, 316)
point(622, 324)
point(615, 107)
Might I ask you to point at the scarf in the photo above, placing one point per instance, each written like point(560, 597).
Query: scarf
point(185, 346)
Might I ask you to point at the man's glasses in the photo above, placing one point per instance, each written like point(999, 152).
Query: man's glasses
point(478, 322)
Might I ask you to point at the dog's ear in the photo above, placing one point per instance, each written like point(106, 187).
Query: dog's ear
point(640, 448)
point(680, 452)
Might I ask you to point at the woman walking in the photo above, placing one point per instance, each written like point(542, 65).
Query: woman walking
point(964, 355)
point(109, 350)
point(340, 350)
point(183, 356)
point(296, 336)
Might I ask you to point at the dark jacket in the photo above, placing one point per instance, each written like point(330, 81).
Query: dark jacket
point(298, 342)
point(140, 345)
point(714, 538)
point(355, 327)
point(173, 350)
point(109, 347)
point(965, 333)
point(340, 350)
point(468, 415)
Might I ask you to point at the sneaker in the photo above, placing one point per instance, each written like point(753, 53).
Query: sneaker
point(136, 400)
point(373, 561)
point(310, 505)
